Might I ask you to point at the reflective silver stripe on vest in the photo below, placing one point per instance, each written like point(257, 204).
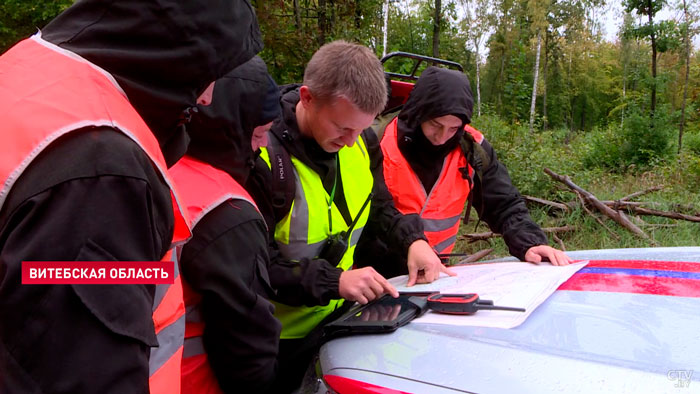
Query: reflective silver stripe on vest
point(433, 225)
point(299, 247)
point(169, 341)
point(299, 250)
point(170, 337)
point(444, 244)
point(355, 237)
point(359, 145)
point(193, 347)
point(162, 289)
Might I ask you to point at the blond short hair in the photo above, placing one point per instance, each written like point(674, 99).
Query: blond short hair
point(352, 71)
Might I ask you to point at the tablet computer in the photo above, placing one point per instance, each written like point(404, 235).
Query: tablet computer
point(383, 315)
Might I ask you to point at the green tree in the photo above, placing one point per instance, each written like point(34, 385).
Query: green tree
point(690, 16)
point(21, 18)
point(661, 35)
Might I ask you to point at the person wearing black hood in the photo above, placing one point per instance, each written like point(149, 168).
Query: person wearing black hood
point(232, 337)
point(427, 173)
point(94, 106)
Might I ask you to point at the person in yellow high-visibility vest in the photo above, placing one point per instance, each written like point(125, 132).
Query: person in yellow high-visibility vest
point(338, 189)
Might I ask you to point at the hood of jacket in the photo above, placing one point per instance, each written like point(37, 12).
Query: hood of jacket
point(305, 148)
point(438, 92)
point(163, 53)
point(221, 132)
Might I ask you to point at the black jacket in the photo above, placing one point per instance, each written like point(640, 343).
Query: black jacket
point(315, 281)
point(94, 195)
point(226, 260)
point(496, 200)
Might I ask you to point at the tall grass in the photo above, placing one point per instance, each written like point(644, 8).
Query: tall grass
point(598, 161)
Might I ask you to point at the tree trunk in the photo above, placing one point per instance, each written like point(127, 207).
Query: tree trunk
point(544, 82)
point(478, 77)
point(297, 15)
point(687, 71)
point(653, 63)
point(410, 27)
point(436, 29)
point(499, 98)
point(534, 82)
point(624, 93)
point(322, 22)
point(386, 24)
point(571, 100)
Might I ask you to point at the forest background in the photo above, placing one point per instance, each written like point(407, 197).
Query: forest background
point(617, 116)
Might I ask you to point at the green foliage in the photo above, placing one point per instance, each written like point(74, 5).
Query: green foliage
point(646, 142)
point(644, 7)
point(691, 142)
point(526, 155)
point(603, 148)
point(690, 168)
point(21, 18)
point(640, 143)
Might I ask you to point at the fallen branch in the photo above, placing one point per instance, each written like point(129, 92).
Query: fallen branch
point(558, 229)
point(489, 234)
point(643, 192)
point(583, 205)
point(555, 205)
point(619, 204)
point(561, 243)
point(604, 209)
point(476, 256)
point(665, 214)
point(480, 236)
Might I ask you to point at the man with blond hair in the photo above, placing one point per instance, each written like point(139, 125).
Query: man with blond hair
point(322, 146)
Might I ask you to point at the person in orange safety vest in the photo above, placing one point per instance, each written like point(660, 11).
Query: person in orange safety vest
point(231, 336)
point(93, 109)
point(428, 173)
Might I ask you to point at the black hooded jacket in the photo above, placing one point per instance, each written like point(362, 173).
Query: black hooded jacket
point(441, 92)
point(315, 281)
point(94, 195)
point(226, 259)
point(429, 100)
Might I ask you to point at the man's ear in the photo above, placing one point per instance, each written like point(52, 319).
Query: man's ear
point(305, 96)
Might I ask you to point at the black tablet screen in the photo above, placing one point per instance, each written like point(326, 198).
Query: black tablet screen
point(386, 309)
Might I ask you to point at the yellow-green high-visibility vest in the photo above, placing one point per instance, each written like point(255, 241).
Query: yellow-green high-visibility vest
point(305, 229)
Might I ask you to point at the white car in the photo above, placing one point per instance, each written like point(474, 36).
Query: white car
point(628, 322)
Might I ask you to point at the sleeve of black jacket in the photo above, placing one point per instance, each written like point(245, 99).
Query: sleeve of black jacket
point(91, 196)
point(306, 282)
point(397, 230)
point(226, 263)
point(501, 206)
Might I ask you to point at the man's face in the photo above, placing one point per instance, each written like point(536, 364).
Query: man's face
point(334, 124)
point(260, 136)
point(207, 95)
point(439, 130)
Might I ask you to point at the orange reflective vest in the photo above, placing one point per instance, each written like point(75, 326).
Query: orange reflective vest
point(47, 92)
point(441, 208)
point(203, 189)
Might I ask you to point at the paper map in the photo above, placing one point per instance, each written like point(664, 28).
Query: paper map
point(507, 284)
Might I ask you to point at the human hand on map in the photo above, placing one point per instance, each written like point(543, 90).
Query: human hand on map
point(424, 265)
point(555, 256)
